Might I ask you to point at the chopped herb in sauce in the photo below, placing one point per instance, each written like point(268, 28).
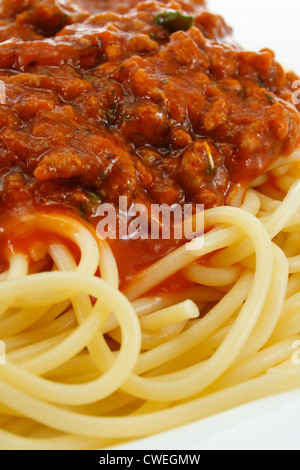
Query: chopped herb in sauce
point(174, 21)
point(153, 36)
point(111, 155)
point(82, 210)
point(91, 205)
point(269, 98)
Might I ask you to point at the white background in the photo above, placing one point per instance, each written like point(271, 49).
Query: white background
point(265, 23)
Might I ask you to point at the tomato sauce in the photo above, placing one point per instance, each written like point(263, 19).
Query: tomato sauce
point(150, 100)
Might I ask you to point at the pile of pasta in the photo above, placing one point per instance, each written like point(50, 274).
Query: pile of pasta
point(88, 367)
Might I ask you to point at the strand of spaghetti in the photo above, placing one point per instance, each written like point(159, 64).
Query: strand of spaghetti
point(64, 323)
point(18, 267)
point(294, 157)
point(10, 441)
point(98, 348)
point(201, 330)
point(179, 259)
point(111, 404)
point(291, 244)
point(293, 285)
point(76, 231)
point(294, 264)
point(64, 350)
point(285, 212)
point(53, 313)
point(290, 307)
point(20, 426)
point(285, 182)
point(212, 276)
point(82, 304)
point(7, 411)
point(108, 266)
point(136, 426)
point(287, 327)
point(272, 308)
point(251, 202)
point(276, 222)
point(283, 366)
point(79, 379)
point(256, 365)
point(4, 420)
point(152, 339)
point(107, 262)
point(21, 321)
point(194, 355)
point(146, 305)
point(268, 204)
point(80, 235)
point(122, 366)
point(204, 374)
point(177, 313)
point(76, 365)
point(27, 353)
point(262, 179)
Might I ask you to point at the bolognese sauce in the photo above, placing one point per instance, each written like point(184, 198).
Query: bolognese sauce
point(151, 100)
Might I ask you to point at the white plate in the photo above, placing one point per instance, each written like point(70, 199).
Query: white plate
point(270, 423)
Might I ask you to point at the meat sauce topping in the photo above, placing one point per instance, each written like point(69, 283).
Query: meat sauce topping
point(151, 100)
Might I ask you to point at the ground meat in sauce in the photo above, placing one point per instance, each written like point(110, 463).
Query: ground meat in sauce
point(101, 102)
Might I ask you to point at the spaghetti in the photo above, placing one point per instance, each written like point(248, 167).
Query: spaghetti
point(64, 386)
point(105, 341)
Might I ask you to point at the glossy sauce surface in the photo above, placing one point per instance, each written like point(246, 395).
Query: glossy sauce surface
point(105, 99)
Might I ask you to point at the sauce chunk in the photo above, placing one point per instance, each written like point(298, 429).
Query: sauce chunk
point(152, 100)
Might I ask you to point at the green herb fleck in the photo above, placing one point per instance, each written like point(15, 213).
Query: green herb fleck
point(82, 211)
point(269, 98)
point(229, 136)
point(153, 36)
point(261, 82)
point(75, 106)
point(100, 42)
point(94, 199)
point(126, 117)
point(174, 21)
point(111, 155)
point(102, 177)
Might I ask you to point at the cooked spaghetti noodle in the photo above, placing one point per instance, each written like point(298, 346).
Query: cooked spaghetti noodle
point(105, 341)
point(65, 385)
